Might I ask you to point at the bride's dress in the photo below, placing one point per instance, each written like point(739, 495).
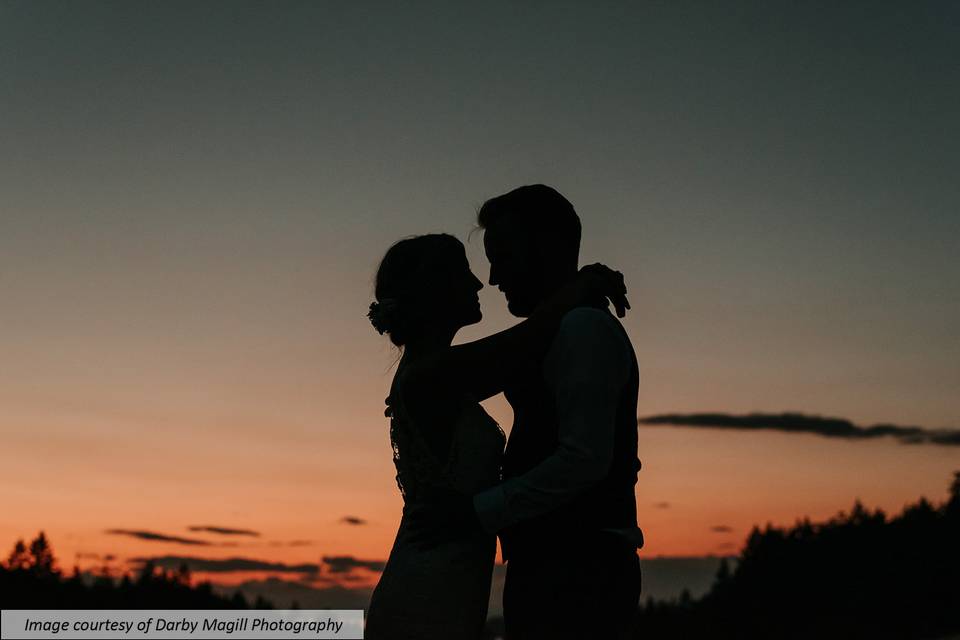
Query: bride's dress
point(441, 592)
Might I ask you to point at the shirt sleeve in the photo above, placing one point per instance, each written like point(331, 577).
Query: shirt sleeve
point(587, 366)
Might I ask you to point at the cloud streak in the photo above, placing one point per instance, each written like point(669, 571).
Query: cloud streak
point(803, 423)
point(158, 537)
point(224, 531)
point(83, 555)
point(341, 565)
point(346, 564)
point(227, 565)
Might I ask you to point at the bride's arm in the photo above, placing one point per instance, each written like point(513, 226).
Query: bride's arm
point(483, 367)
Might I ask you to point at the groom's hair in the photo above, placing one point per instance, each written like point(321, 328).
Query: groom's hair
point(542, 214)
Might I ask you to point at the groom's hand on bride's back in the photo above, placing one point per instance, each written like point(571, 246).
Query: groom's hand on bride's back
point(443, 516)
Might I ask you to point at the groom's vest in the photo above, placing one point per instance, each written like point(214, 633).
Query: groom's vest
point(610, 503)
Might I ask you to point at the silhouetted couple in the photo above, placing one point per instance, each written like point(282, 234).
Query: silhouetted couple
point(561, 495)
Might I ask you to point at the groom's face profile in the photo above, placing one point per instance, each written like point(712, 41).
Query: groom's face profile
point(513, 268)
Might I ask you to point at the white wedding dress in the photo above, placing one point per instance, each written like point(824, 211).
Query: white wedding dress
point(439, 593)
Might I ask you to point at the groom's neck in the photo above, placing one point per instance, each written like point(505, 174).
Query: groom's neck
point(554, 283)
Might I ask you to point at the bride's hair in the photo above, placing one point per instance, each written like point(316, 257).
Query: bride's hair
point(404, 282)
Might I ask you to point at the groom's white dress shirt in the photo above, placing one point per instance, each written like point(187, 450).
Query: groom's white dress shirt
point(587, 366)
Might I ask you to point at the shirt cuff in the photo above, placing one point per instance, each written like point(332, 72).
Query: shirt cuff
point(489, 506)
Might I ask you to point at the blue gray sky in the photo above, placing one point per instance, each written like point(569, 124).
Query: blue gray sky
point(195, 197)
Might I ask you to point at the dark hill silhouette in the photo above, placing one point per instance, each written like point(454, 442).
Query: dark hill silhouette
point(858, 575)
point(30, 579)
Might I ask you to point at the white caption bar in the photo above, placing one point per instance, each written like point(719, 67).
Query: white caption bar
point(181, 623)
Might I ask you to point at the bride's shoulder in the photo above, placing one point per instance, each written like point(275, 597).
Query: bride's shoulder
point(422, 394)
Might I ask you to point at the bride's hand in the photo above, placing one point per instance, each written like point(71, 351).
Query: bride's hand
point(598, 280)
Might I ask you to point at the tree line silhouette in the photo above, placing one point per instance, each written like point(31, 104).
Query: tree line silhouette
point(858, 575)
point(30, 579)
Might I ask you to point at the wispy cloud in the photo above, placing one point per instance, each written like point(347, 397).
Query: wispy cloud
point(158, 537)
point(803, 423)
point(225, 531)
point(353, 520)
point(661, 505)
point(721, 528)
point(345, 564)
point(283, 593)
point(329, 565)
point(84, 555)
point(226, 565)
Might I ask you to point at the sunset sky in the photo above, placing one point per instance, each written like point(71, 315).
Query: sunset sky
point(194, 199)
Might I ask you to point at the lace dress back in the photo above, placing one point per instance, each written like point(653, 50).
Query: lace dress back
point(441, 592)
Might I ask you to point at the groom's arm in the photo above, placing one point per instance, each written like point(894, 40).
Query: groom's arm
point(587, 367)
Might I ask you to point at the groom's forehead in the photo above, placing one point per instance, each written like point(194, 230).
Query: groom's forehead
point(503, 238)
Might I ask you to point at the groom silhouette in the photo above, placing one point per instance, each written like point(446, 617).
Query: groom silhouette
point(566, 511)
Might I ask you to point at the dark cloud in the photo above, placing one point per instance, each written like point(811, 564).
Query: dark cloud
point(662, 505)
point(351, 577)
point(802, 423)
point(84, 555)
point(227, 565)
point(290, 543)
point(721, 528)
point(353, 520)
point(346, 564)
point(283, 593)
point(158, 537)
point(224, 531)
point(946, 437)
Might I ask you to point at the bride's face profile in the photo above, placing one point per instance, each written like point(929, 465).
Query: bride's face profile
point(430, 288)
point(456, 293)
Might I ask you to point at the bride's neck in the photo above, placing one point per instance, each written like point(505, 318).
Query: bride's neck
point(427, 344)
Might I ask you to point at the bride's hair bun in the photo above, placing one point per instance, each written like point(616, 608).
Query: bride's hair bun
point(383, 315)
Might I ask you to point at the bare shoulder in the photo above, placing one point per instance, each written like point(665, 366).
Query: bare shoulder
point(426, 393)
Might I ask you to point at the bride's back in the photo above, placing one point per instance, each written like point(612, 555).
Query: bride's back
point(440, 592)
point(441, 441)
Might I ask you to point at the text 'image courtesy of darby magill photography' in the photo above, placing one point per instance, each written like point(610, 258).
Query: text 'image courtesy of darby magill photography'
point(183, 624)
point(480, 321)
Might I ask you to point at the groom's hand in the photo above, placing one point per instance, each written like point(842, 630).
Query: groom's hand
point(442, 516)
